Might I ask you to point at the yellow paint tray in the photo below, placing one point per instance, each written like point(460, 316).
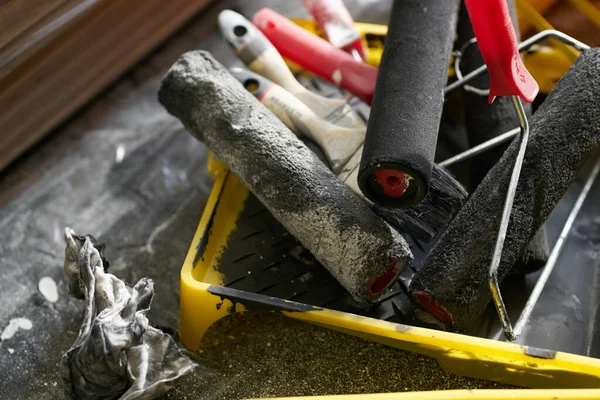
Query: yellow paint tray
point(208, 294)
point(477, 394)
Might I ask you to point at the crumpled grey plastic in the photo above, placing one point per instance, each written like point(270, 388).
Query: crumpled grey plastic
point(117, 354)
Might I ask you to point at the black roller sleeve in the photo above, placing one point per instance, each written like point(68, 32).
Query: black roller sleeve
point(397, 159)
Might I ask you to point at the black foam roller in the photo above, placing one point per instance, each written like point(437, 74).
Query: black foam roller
point(407, 104)
point(359, 249)
point(485, 121)
point(565, 133)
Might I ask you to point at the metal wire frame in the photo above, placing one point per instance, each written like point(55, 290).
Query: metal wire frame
point(510, 333)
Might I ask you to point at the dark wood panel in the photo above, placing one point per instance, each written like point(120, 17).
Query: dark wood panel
point(20, 18)
point(45, 80)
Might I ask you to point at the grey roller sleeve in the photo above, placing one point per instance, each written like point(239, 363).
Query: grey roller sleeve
point(565, 133)
point(359, 249)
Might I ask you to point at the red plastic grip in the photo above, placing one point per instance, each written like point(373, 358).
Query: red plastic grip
point(500, 50)
point(317, 55)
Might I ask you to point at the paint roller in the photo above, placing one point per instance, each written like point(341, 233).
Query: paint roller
point(402, 130)
point(342, 148)
point(357, 247)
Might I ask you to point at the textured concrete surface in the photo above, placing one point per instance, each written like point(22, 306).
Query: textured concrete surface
point(124, 171)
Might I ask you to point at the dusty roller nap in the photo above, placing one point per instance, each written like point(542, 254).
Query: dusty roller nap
point(360, 250)
point(565, 132)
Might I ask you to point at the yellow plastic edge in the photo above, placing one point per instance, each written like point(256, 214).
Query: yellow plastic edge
point(547, 65)
point(194, 319)
point(589, 10)
point(503, 394)
point(528, 12)
point(541, 6)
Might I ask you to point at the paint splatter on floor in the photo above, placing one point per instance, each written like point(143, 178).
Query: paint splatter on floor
point(48, 289)
point(13, 326)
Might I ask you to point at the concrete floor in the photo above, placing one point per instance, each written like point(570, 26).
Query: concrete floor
point(124, 171)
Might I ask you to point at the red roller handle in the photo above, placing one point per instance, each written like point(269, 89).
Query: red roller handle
point(317, 55)
point(498, 44)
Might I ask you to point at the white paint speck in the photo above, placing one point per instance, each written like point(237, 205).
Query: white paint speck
point(13, 326)
point(11, 351)
point(25, 324)
point(58, 232)
point(336, 77)
point(48, 289)
point(120, 154)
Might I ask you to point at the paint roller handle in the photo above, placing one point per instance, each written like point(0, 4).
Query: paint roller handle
point(498, 44)
point(317, 55)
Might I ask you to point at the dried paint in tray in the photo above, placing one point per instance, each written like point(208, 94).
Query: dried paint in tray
point(263, 354)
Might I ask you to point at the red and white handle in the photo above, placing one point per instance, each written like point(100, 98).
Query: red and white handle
point(317, 55)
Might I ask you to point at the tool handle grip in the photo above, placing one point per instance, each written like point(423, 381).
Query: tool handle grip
point(317, 55)
point(271, 65)
point(255, 50)
point(291, 111)
point(335, 20)
point(500, 50)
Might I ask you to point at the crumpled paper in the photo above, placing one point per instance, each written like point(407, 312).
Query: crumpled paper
point(117, 354)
